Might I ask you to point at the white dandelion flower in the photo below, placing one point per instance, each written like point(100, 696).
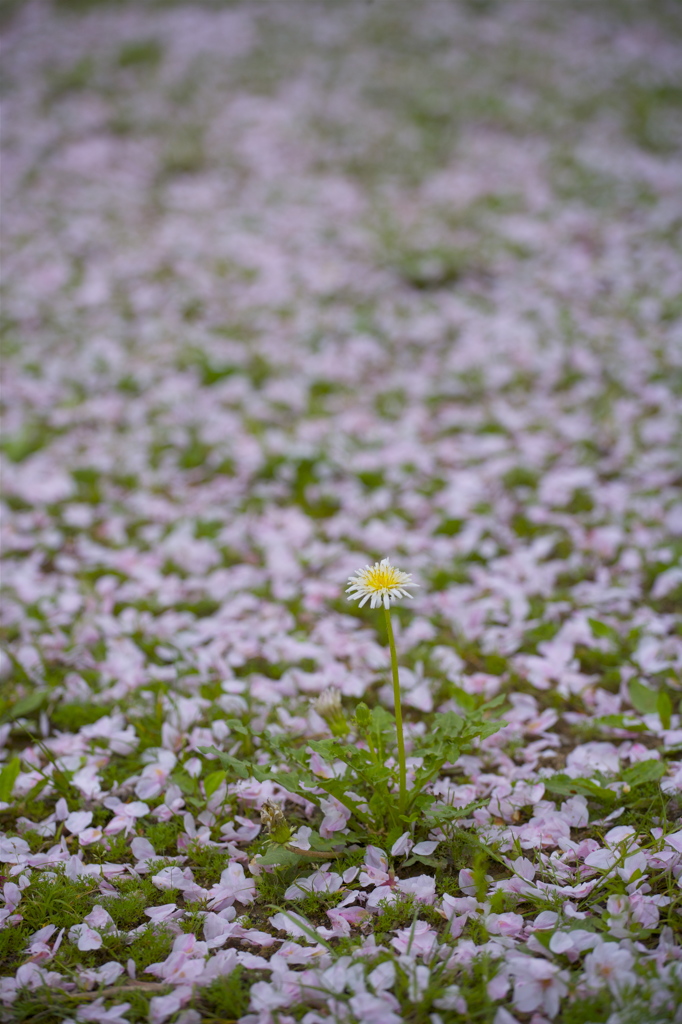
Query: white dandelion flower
point(379, 584)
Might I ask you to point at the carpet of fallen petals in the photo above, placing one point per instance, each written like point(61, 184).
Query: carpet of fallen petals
point(291, 287)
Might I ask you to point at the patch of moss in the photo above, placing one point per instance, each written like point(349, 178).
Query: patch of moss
point(228, 997)
point(55, 899)
point(151, 946)
point(163, 836)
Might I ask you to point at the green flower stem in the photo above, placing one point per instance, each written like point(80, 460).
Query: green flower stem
point(372, 748)
point(313, 854)
point(398, 713)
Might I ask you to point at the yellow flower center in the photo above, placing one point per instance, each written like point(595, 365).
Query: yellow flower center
point(380, 577)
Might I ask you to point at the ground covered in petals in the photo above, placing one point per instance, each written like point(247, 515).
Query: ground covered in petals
point(291, 287)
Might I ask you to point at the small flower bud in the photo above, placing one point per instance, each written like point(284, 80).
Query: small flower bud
point(328, 706)
point(363, 716)
point(274, 821)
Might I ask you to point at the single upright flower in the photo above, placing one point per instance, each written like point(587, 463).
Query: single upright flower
point(379, 584)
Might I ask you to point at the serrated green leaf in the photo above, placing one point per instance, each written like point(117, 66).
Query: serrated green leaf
point(486, 729)
point(642, 698)
point(419, 804)
point(564, 785)
point(213, 781)
point(357, 758)
point(339, 789)
point(8, 776)
point(438, 814)
point(381, 717)
point(326, 748)
point(432, 862)
point(240, 768)
point(448, 724)
point(644, 771)
point(322, 845)
point(294, 782)
point(382, 724)
point(234, 725)
point(278, 855)
point(331, 750)
point(377, 804)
